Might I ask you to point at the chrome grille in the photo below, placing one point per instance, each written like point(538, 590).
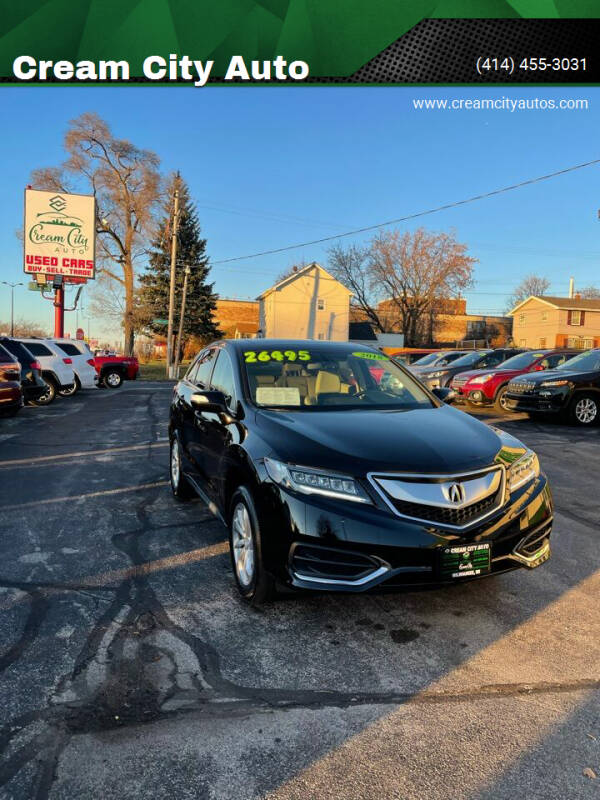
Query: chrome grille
point(455, 501)
point(521, 387)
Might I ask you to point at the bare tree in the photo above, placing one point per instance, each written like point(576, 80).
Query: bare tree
point(530, 285)
point(352, 266)
point(419, 272)
point(126, 182)
point(589, 292)
point(25, 328)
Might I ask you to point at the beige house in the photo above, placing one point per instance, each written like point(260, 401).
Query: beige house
point(308, 304)
point(542, 321)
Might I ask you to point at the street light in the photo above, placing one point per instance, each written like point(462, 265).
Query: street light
point(12, 304)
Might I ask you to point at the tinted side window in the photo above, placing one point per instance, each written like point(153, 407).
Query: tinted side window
point(69, 349)
point(39, 349)
point(5, 355)
point(223, 380)
point(553, 361)
point(19, 351)
point(205, 365)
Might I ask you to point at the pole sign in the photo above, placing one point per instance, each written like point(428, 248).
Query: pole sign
point(59, 235)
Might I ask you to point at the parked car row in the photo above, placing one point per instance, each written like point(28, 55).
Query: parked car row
point(538, 381)
point(34, 371)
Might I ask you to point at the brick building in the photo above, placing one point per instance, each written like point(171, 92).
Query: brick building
point(237, 319)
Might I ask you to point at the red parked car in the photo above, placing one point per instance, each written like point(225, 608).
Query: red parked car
point(113, 369)
point(484, 387)
point(11, 394)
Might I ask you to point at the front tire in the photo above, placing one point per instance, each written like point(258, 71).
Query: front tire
point(73, 390)
point(49, 395)
point(500, 401)
point(180, 486)
point(254, 584)
point(584, 410)
point(112, 380)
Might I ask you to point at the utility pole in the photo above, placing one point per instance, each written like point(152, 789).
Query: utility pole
point(186, 275)
point(172, 284)
point(12, 304)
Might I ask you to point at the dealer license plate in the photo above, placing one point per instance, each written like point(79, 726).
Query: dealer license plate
point(465, 561)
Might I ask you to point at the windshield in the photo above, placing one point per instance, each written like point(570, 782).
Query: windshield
point(522, 361)
point(469, 359)
point(324, 377)
point(585, 362)
point(428, 359)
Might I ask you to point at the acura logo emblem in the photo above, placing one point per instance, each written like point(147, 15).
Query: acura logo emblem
point(456, 493)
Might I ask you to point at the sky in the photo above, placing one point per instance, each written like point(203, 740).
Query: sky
point(274, 166)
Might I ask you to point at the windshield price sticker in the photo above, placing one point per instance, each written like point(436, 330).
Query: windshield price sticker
point(253, 356)
point(372, 356)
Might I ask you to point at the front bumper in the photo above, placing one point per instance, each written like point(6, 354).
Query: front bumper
point(311, 542)
point(552, 402)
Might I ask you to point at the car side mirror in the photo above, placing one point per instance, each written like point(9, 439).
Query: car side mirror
point(210, 401)
point(445, 394)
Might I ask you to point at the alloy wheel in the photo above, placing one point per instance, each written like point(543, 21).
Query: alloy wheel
point(586, 410)
point(243, 545)
point(113, 380)
point(175, 465)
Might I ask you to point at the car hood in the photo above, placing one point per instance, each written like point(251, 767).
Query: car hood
point(436, 440)
point(503, 373)
point(558, 374)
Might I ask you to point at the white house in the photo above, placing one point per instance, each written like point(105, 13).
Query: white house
point(308, 304)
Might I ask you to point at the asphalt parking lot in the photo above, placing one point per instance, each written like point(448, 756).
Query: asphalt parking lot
point(130, 668)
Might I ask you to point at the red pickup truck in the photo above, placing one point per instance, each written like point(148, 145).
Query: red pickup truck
point(113, 369)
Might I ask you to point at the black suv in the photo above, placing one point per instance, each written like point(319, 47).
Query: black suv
point(572, 389)
point(335, 469)
point(34, 387)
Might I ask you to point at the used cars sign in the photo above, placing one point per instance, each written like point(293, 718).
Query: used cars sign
point(60, 234)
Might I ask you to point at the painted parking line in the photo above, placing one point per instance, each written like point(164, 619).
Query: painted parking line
point(70, 498)
point(15, 462)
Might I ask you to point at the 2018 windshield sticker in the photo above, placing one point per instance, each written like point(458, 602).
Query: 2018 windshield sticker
point(254, 356)
point(373, 356)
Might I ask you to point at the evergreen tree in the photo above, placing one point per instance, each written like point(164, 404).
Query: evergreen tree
point(154, 283)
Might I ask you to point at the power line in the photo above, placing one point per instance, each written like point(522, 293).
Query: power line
point(445, 207)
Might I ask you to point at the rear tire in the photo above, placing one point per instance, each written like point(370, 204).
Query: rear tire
point(49, 395)
point(112, 380)
point(73, 390)
point(585, 410)
point(254, 584)
point(180, 486)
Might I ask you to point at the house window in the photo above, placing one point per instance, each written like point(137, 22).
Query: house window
point(588, 344)
point(321, 336)
point(522, 343)
point(542, 342)
point(544, 316)
point(320, 304)
point(577, 343)
point(575, 317)
point(521, 318)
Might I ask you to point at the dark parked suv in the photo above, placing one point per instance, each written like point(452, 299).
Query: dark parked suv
point(34, 386)
point(573, 388)
point(11, 394)
point(334, 469)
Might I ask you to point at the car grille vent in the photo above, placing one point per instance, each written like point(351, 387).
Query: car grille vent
point(521, 387)
point(532, 544)
point(324, 562)
point(447, 516)
point(459, 381)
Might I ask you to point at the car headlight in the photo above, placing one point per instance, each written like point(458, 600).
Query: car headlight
point(523, 470)
point(437, 374)
point(481, 378)
point(555, 383)
point(314, 481)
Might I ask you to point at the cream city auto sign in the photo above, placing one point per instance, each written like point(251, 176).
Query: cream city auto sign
point(59, 234)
